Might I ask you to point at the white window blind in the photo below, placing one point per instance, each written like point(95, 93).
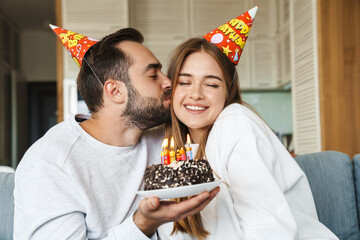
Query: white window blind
point(207, 15)
point(160, 20)
point(90, 18)
point(264, 59)
point(305, 92)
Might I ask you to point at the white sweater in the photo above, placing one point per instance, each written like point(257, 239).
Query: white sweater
point(265, 194)
point(71, 186)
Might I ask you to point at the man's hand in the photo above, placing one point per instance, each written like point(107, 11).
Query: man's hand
point(152, 213)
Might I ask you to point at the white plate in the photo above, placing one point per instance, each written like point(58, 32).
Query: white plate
point(178, 192)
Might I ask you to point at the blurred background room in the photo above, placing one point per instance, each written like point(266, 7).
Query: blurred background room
point(300, 68)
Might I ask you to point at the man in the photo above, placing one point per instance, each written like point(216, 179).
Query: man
point(79, 181)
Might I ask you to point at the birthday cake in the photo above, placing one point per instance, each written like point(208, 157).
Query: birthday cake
point(178, 173)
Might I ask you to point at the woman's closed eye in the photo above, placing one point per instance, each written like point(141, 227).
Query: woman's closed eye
point(212, 85)
point(184, 83)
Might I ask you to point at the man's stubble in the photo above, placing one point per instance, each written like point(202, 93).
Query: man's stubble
point(146, 112)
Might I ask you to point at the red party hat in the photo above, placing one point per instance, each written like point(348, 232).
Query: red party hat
point(75, 43)
point(231, 37)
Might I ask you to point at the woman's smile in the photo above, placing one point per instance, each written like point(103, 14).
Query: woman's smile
point(194, 108)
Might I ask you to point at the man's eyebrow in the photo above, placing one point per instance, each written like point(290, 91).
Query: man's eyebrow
point(153, 66)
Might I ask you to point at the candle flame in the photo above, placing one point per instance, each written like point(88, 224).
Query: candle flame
point(165, 143)
point(172, 144)
point(188, 139)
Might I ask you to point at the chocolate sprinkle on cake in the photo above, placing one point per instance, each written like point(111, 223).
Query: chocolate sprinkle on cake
point(181, 173)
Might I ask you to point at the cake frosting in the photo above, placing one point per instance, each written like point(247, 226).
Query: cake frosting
point(176, 174)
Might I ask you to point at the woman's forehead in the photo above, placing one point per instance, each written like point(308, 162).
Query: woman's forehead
point(200, 63)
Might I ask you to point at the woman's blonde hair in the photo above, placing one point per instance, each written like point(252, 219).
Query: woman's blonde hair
point(193, 224)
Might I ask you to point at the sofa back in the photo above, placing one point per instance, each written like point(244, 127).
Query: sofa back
point(331, 179)
point(356, 163)
point(6, 205)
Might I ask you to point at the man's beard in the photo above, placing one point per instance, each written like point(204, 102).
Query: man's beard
point(146, 112)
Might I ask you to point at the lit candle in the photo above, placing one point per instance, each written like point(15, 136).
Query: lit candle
point(172, 152)
point(183, 154)
point(165, 152)
point(188, 148)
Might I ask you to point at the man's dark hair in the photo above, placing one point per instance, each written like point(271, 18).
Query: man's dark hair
point(107, 61)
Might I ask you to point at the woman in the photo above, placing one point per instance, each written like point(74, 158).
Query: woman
point(264, 195)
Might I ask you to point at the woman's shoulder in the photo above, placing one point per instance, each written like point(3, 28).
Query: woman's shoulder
point(238, 117)
point(233, 109)
point(239, 111)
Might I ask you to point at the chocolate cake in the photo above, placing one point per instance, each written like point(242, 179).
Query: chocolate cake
point(181, 173)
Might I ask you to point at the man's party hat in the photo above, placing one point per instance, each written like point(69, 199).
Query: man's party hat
point(231, 37)
point(76, 44)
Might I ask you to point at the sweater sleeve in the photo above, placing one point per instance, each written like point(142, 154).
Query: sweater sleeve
point(48, 205)
point(247, 164)
point(128, 230)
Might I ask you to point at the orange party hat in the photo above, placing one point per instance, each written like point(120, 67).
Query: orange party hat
point(231, 37)
point(76, 44)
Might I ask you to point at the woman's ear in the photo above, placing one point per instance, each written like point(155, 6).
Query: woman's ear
point(115, 90)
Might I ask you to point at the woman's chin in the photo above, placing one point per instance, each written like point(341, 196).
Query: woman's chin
point(197, 128)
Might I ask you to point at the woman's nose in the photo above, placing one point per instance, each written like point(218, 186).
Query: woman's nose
point(196, 93)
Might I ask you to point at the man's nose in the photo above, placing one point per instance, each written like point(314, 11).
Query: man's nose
point(165, 81)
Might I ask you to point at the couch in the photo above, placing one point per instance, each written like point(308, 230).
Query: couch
point(335, 183)
point(334, 180)
point(6, 205)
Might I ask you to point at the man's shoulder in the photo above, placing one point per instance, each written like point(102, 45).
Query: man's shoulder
point(63, 132)
point(54, 145)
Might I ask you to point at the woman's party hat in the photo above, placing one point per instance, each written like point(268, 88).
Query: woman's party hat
point(231, 37)
point(75, 43)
